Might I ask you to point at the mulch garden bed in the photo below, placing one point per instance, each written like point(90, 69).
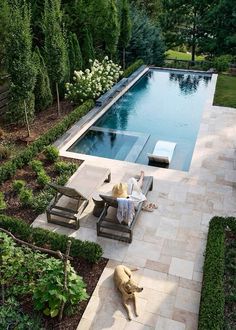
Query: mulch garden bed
point(16, 136)
point(14, 207)
point(91, 274)
point(89, 271)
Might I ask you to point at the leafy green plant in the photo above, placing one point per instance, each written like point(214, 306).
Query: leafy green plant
point(5, 152)
point(26, 197)
point(3, 204)
point(222, 62)
point(36, 165)
point(17, 185)
point(43, 178)
point(133, 67)
point(11, 317)
point(49, 293)
point(88, 250)
point(63, 167)
point(62, 179)
point(8, 169)
point(41, 200)
point(51, 153)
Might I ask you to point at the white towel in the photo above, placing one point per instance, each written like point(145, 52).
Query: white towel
point(125, 210)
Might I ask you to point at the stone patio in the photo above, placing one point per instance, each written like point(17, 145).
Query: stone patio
point(168, 244)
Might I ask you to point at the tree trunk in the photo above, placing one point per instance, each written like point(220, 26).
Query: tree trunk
point(58, 101)
point(124, 59)
point(26, 119)
point(193, 50)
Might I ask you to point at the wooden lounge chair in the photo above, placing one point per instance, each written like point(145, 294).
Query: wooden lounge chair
point(108, 225)
point(71, 200)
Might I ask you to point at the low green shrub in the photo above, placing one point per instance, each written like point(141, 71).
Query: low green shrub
point(26, 197)
point(211, 314)
point(12, 317)
point(3, 204)
point(63, 167)
point(41, 200)
point(5, 152)
point(9, 168)
point(41, 237)
point(221, 63)
point(43, 178)
point(17, 185)
point(36, 165)
point(51, 153)
point(133, 67)
point(62, 179)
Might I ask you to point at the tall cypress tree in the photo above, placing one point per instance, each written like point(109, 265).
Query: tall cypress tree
point(125, 28)
point(87, 48)
point(74, 51)
point(20, 65)
point(4, 21)
point(42, 91)
point(111, 28)
point(54, 45)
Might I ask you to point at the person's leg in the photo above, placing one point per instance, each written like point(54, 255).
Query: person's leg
point(140, 180)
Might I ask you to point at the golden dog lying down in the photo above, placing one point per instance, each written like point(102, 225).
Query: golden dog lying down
point(127, 287)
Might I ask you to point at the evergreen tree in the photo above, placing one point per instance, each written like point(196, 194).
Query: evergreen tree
point(4, 21)
point(125, 28)
point(42, 91)
point(20, 66)
point(87, 48)
point(54, 45)
point(111, 29)
point(146, 41)
point(74, 51)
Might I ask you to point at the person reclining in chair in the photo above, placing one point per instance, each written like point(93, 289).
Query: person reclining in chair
point(132, 190)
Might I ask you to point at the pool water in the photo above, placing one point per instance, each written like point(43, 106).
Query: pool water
point(165, 105)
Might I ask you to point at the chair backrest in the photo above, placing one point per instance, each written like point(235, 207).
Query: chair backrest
point(69, 192)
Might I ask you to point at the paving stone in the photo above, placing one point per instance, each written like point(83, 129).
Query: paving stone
point(182, 268)
point(187, 300)
point(168, 324)
point(188, 318)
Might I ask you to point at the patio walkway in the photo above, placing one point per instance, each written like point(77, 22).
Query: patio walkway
point(169, 243)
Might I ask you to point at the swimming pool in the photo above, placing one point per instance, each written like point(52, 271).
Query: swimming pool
point(162, 105)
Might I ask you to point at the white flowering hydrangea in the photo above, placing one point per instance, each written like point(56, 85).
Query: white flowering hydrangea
point(93, 82)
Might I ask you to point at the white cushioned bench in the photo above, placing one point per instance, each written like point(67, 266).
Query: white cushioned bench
point(163, 152)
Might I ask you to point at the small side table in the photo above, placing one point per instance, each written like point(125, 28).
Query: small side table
point(98, 205)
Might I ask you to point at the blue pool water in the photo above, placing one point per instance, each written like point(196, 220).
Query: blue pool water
point(165, 105)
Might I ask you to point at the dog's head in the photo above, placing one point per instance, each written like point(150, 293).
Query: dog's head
point(130, 287)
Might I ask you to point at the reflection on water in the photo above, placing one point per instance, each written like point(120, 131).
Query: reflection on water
point(188, 83)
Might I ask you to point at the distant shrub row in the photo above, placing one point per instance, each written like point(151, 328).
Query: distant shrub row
point(45, 238)
point(9, 168)
point(133, 67)
point(211, 314)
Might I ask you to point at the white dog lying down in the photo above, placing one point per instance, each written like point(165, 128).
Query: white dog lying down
point(124, 282)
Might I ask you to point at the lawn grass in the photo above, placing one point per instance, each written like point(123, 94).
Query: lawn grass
point(225, 94)
point(182, 56)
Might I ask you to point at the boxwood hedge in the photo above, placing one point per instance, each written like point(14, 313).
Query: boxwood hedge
point(9, 168)
point(41, 237)
point(211, 314)
point(133, 67)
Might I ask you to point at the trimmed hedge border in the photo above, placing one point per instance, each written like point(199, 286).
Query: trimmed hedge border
point(41, 237)
point(211, 314)
point(133, 67)
point(9, 168)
